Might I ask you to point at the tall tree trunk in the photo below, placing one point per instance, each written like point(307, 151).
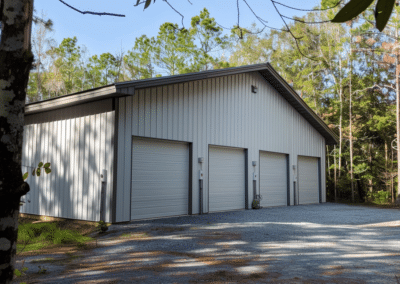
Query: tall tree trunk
point(334, 171)
point(341, 115)
point(370, 185)
point(386, 167)
point(398, 128)
point(351, 126)
point(15, 62)
point(392, 176)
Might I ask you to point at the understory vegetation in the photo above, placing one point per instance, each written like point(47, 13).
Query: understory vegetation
point(345, 72)
point(35, 235)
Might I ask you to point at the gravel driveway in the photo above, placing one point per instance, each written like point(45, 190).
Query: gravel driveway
point(323, 243)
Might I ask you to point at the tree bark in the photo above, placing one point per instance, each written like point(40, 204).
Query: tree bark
point(334, 172)
point(340, 117)
point(351, 126)
point(15, 62)
point(398, 127)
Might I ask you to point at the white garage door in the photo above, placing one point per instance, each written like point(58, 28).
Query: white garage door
point(226, 179)
point(308, 180)
point(160, 178)
point(273, 179)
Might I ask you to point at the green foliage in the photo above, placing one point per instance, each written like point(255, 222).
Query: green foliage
point(37, 171)
point(19, 273)
point(379, 197)
point(353, 8)
point(42, 270)
point(40, 235)
point(102, 226)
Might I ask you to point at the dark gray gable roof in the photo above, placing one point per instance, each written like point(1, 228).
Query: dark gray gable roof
point(128, 88)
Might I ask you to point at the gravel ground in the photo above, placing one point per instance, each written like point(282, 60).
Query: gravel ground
point(323, 243)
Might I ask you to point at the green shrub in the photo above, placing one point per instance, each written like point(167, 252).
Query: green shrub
point(39, 235)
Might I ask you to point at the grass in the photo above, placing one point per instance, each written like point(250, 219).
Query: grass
point(375, 204)
point(35, 235)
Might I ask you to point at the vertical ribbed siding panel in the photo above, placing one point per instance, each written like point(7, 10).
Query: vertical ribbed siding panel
point(121, 157)
point(86, 174)
point(81, 173)
point(60, 175)
point(147, 113)
point(189, 92)
point(229, 112)
point(96, 173)
point(239, 116)
point(234, 98)
point(39, 157)
point(141, 112)
point(242, 116)
point(175, 114)
point(92, 168)
point(179, 117)
point(135, 115)
point(224, 95)
point(185, 112)
point(220, 110)
point(165, 112)
point(171, 110)
point(212, 113)
point(128, 153)
point(64, 155)
point(102, 165)
point(204, 141)
point(153, 112)
point(36, 139)
point(109, 160)
point(67, 161)
point(195, 138)
point(71, 168)
point(75, 168)
point(159, 111)
point(57, 168)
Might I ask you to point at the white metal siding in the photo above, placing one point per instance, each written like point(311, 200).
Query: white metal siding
point(227, 179)
point(160, 178)
point(308, 180)
point(77, 141)
point(219, 111)
point(273, 179)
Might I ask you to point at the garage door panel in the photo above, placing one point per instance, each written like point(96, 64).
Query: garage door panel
point(226, 179)
point(160, 178)
point(273, 179)
point(308, 180)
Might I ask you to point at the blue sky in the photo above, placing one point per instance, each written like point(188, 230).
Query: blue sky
point(109, 34)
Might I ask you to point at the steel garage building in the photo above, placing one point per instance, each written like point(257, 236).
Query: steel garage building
point(139, 149)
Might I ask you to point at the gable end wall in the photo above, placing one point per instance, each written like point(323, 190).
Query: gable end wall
point(217, 111)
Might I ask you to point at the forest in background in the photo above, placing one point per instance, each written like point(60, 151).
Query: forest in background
point(345, 72)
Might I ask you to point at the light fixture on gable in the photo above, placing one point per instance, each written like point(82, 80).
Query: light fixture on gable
point(254, 89)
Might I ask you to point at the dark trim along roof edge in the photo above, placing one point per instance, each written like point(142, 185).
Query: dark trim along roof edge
point(127, 88)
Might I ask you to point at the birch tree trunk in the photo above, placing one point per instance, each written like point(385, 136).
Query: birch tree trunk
point(15, 62)
point(351, 125)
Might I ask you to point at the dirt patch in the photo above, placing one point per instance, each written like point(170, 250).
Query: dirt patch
point(168, 229)
point(223, 276)
point(221, 235)
point(102, 281)
point(137, 236)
